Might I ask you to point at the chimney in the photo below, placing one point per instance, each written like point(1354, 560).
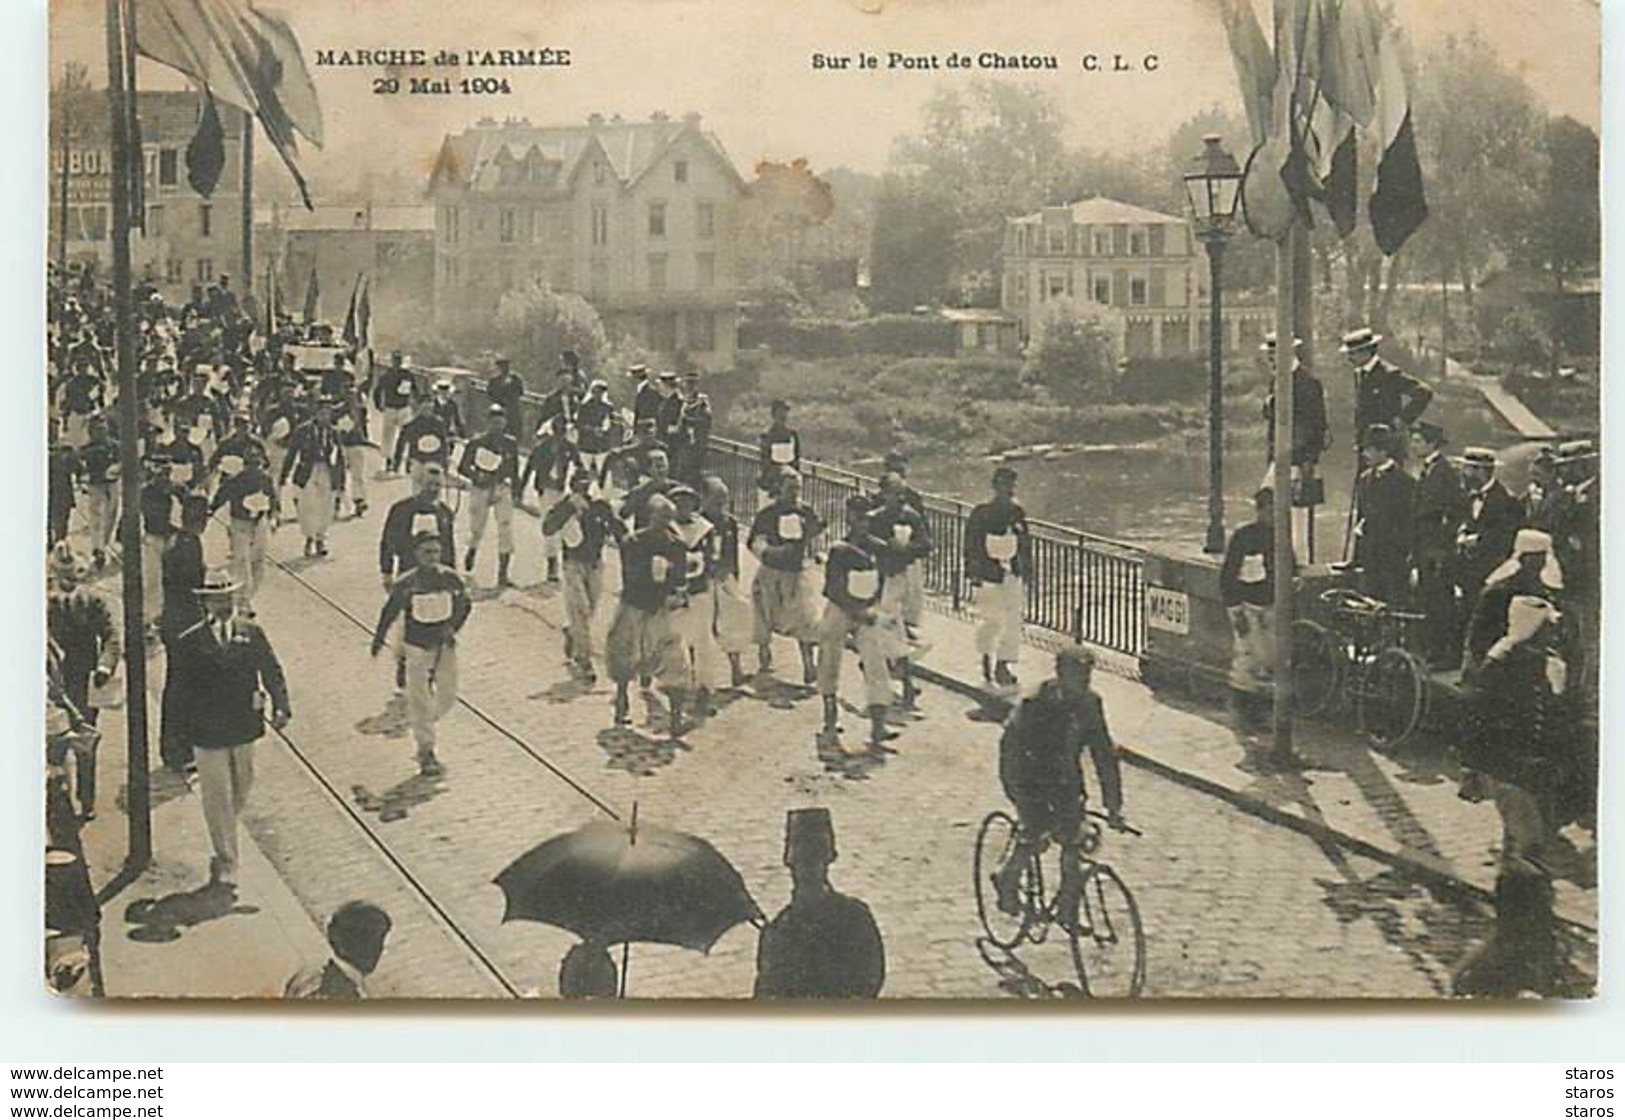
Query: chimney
point(595, 120)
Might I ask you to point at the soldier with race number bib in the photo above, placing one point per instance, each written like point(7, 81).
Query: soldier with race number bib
point(249, 495)
point(490, 463)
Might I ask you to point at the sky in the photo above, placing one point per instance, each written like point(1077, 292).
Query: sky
point(745, 65)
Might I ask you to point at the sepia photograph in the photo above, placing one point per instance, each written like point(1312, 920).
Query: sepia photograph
point(907, 500)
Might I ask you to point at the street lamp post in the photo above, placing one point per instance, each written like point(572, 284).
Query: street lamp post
point(1213, 188)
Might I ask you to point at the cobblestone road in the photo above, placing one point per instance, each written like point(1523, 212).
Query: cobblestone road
point(1233, 907)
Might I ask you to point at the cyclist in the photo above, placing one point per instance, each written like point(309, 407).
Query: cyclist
point(1041, 769)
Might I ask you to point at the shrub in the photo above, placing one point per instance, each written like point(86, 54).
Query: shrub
point(534, 324)
point(1154, 380)
point(1522, 339)
point(1075, 357)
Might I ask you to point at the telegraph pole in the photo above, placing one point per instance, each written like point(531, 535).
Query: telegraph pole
point(138, 798)
point(1289, 279)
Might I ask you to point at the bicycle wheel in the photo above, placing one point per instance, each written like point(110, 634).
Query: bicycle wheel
point(1393, 697)
point(1317, 667)
point(1108, 946)
point(995, 842)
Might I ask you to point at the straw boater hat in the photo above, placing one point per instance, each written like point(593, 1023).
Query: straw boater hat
point(1576, 450)
point(217, 581)
point(1269, 343)
point(1361, 338)
point(1530, 542)
point(1478, 457)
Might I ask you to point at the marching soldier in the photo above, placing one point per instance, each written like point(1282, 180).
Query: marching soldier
point(425, 438)
point(596, 421)
point(733, 620)
point(1384, 496)
point(507, 392)
point(902, 538)
point(432, 604)
point(100, 461)
point(562, 402)
point(998, 559)
point(421, 512)
point(188, 465)
point(491, 466)
point(629, 464)
point(392, 392)
point(782, 537)
point(551, 464)
point(1437, 511)
point(160, 512)
point(249, 495)
point(443, 403)
point(1492, 519)
point(582, 524)
point(852, 582)
point(779, 448)
point(694, 620)
point(635, 508)
point(1384, 394)
point(641, 645)
point(232, 452)
point(692, 435)
point(315, 465)
point(63, 470)
point(350, 429)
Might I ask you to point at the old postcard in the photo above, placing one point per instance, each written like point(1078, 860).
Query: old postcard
point(905, 499)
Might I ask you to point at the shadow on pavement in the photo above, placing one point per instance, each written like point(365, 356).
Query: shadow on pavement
point(853, 767)
point(1435, 933)
point(165, 918)
point(392, 722)
point(397, 802)
point(637, 754)
point(565, 691)
point(1016, 979)
point(778, 694)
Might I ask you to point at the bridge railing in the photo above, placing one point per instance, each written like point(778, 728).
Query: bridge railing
point(1084, 586)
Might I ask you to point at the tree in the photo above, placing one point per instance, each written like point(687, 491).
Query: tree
point(1075, 357)
point(989, 152)
point(783, 203)
point(1568, 233)
point(912, 254)
point(534, 324)
point(1483, 147)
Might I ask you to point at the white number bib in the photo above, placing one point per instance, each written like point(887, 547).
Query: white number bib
point(863, 584)
point(1001, 546)
point(425, 523)
point(790, 526)
point(280, 428)
point(901, 533)
point(781, 453)
point(431, 606)
point(429, 444)
point(112, 472)
point(257, 503)
point(486, 459)
point(572, 534)
point(696, 565)
point(1252, 569)
point(231, 464)
point(197, 433)
point(345, 424)
point(180, 473)
point(659, 568)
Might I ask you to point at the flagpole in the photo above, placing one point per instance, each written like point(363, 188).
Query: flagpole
point(248, 199)
point(1285, 324)
point(138, 797)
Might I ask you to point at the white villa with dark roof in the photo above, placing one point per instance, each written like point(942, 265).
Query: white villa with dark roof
point(638, 217)
point(1137, 269)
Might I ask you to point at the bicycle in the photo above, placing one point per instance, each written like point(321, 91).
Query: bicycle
point(1360, 661)
point(1107, 940)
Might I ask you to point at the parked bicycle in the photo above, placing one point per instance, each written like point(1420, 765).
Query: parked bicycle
point(1360, 661)
point(1107, 939)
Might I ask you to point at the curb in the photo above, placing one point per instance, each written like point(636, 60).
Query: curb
point(1321, 834)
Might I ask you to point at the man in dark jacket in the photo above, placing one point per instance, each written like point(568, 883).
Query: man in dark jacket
point(356, 932)
point(825, 944)
point(506, 390)
point(1436, 513)
point(1492, 518)
point(229, 664)
point(392, 392)
point(1384, 394)
point(1383, 499)
point(1247, 588)
point(998, 560)
point(1310, 433)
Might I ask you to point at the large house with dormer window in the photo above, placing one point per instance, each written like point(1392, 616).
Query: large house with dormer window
point(1137, 270)
point(636, 216)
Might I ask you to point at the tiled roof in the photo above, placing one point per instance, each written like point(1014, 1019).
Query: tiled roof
point(1108, 211)
point(475, 155)
point(168, 117)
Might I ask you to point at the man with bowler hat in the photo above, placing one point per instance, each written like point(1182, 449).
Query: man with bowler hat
point(824, 945)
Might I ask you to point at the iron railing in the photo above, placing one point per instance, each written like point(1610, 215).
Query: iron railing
point(1088, 587)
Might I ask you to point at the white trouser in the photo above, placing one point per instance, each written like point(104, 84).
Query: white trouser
point(316, 504)
point(693, 624)
point(583, 585)
point(355, 470)
point(393, 419)
point(483, 501)
point(552, 543)
point(1001, 605)
point(431, 690)
point(101, 511)
point(1252, 656)
point(152, 576)
point(248, 543)
point(225, 775)
point(735, 617)
point(833, 630)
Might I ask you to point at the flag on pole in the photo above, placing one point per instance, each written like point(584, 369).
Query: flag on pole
point(1398, 206)
point(1255, 63)
point(271, 297)
point(349, 332)
point(206, 154)
point(313, 297)
point(363, 318)
point(245, 58)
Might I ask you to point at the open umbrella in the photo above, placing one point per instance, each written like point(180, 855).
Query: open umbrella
point(616, 884)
